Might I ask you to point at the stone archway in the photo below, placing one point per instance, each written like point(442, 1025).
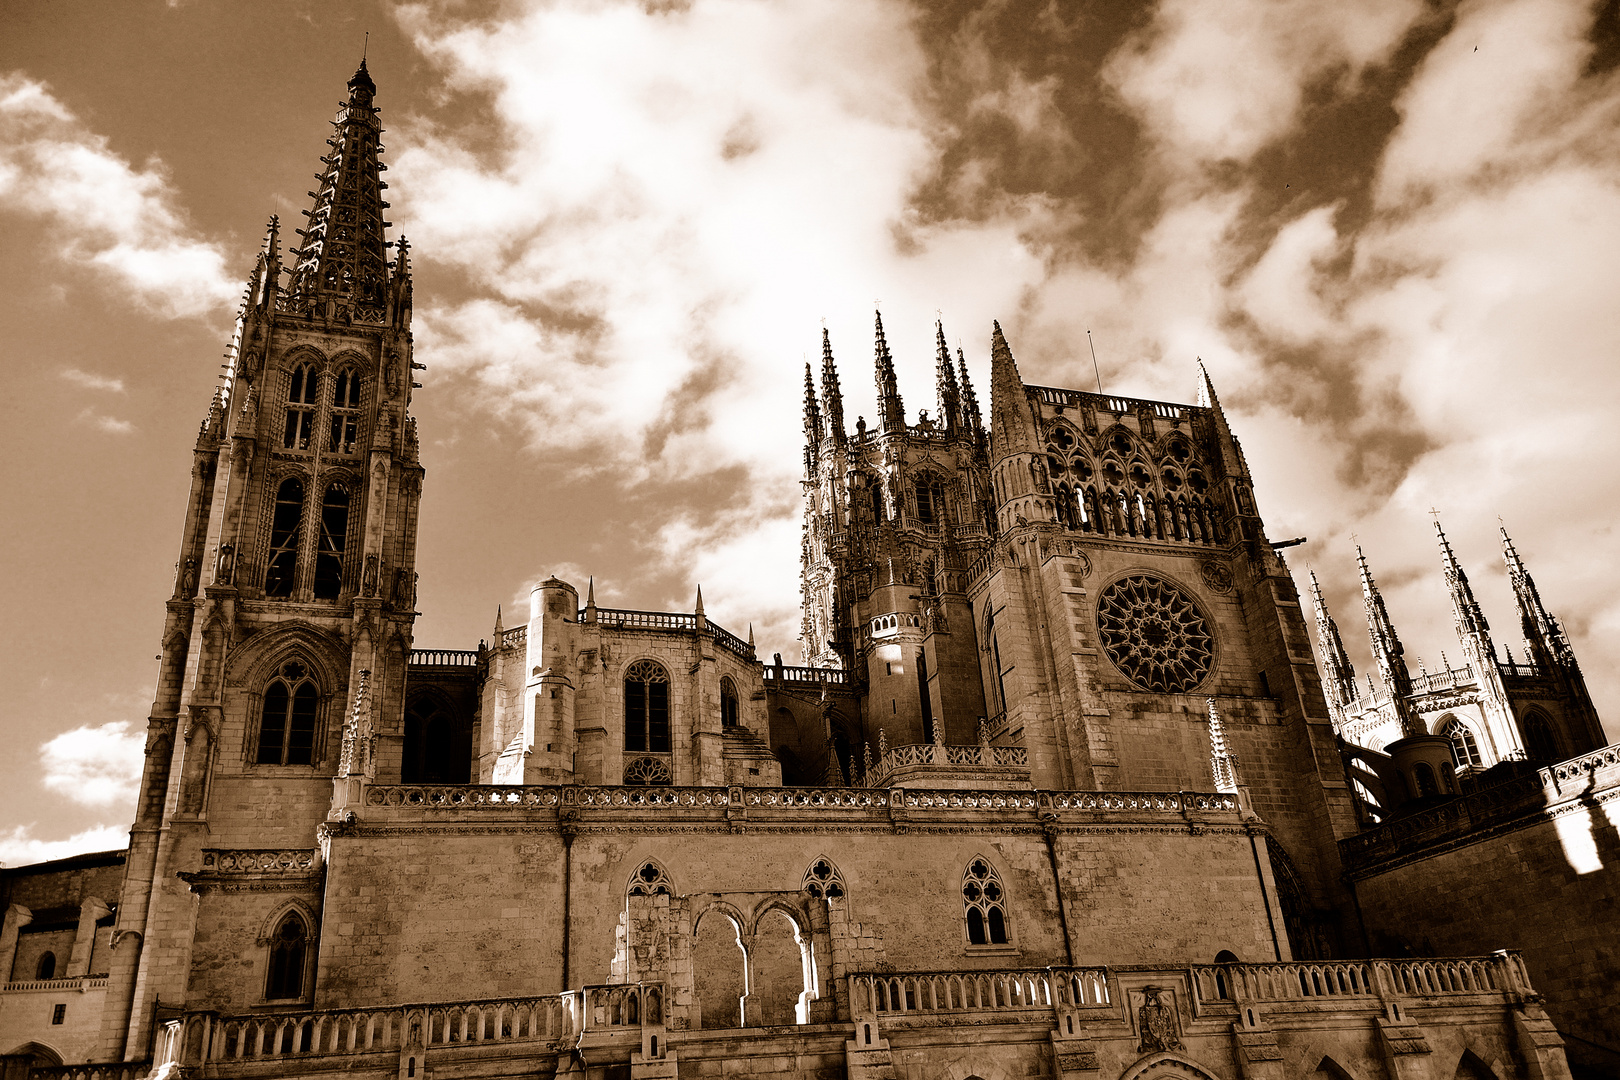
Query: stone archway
point(719, 969)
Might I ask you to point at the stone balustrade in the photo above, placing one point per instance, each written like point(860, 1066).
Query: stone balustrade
point(1503, 973)
point(117, 1070)
point(77, 983)
point(977, 992)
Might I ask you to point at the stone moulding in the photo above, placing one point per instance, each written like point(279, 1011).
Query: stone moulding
point(258, 861)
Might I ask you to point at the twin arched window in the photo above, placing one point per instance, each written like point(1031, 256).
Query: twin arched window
point(288, 947)
point(646, 708)
point(303, 398)
point(286, 540)
point(287, 721)
point(985, 904)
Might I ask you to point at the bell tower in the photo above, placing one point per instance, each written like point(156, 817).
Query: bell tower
point(294, 594)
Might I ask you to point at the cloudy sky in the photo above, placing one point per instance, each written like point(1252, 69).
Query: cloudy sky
point(1390, 228)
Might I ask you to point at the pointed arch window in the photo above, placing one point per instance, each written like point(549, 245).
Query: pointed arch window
point(344, 432)
point(930, 502)
point(984, 904)
point(288, 946)
point(729, 709)
point(286, 525)
point(287, 722)
point(334, 538)
point(1464, 749)
point(1539, 741)
point(301, 397)
point(646, 708)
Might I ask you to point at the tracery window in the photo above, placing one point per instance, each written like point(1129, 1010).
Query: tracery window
point(345, 424)
point(650, 880)
point(1464, 750)
point(286, 525)
point(1155, 634)
point(644, 771)
point(285, 978)
point(930, 501)
point(728, 703)
point(334, 538)
point(646, 708)
point(984, 902)
point(301, 391)
point(287, 722)
point(824, 881)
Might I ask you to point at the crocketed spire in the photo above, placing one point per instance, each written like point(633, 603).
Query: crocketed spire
point(832, 399)
point(971, 418)
point(1541, 631)
point(344, 253)
point(812, 419)
point(1388, 651)
point(950, 398)
point(891, 411)
point(1012, 421)
point(1471, 622)
point(1338, 676)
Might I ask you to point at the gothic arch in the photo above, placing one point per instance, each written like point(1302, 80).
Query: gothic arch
point(302, 908)
point(1167, 1066)
point(738, 920)
point(347, 355)
point(1332, 1070)
point(1470, 1066)
point(794, 913)
point(41, 1054)
point(302, 353)
point(651, 884)
point(254, 659)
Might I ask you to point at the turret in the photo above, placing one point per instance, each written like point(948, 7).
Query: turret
point(1023, 489)
point(1338, 676)
point(891, 410)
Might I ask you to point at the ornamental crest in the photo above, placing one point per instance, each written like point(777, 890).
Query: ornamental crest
point(1157, 1022)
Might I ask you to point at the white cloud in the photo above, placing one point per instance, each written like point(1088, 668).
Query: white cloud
point(110, 425)
point(91, 381)
point(1217, 80)
point(110, 216)
point(95, 766)
point(20, 847)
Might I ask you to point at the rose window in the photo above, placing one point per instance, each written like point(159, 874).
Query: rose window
point(1155, 634)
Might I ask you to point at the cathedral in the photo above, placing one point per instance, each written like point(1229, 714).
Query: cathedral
point(1125, 827)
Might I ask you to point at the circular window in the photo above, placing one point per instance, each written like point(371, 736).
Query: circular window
point(1155, 634)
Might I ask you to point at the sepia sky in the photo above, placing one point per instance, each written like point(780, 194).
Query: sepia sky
point(1390, 229)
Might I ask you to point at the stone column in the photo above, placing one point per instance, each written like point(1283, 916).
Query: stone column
point(17, 917)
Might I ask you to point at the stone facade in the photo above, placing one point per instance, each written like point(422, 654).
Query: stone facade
point(1056, 793)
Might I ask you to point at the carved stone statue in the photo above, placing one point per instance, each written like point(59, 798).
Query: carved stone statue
point(368, 582)
point(1157, 1021)
point(225, 570)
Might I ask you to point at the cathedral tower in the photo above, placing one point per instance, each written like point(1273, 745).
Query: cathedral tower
point(293, 600)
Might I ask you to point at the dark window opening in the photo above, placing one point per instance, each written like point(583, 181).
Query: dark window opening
point(1539, 741)
point(930, 502)
point(287, 726)
point(300, 409)
point(59, 1014)
point(46, 968)
point(286, 975)
point(438, 750)
point(285, 522)
point(728, 704)
point(646, 708)
point(334, 538)
point(345, 427)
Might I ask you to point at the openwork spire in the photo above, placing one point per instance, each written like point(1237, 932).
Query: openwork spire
point(1541, 631)
point(891, 410)
point(1222, 763)
point(1387, 650)
point(1471, 622)
point(1338, 676)
point(832, 398)
point(344, 253)
point(1012, 421)
point(813, 432)
point(950, 397)
point(971, 418)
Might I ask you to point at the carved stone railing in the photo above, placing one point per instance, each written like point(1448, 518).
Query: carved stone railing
point(642, 620)
point(197, 1038)
point(935, 755)
point(1575, 775)
point(977, 992)
point(1512, 669)
point(1502, 973)
point(515, 638)
point(810, 676)
point(258, 861)
point(1055, 395)
point(115, 1070)
point(444, 658)
point(1490, 808)
point(1443, 680)
point(77, 984)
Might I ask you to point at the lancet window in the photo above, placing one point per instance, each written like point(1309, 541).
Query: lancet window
point(286, 525)
point(1539, 741)
point(301, 398)
point(334, 539)
point(984, 904)
point(287, 720)
point(729, 712)
point(646, 708)
point(344, 432)
point(288, 947)
point(46, 969)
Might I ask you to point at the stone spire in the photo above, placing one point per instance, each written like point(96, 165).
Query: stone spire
point(971, 419)
point(1012, 421)
point(1222, 763)
point(1548, 645)
point(1472, 628)
point(813, 430)
point(832, 399)
point(1338, 676)
point(891, 410)
point(1388, 651)
point(949, 395)
point(344, 254)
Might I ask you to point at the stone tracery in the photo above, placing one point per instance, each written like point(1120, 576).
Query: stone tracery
point(1155, 634)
